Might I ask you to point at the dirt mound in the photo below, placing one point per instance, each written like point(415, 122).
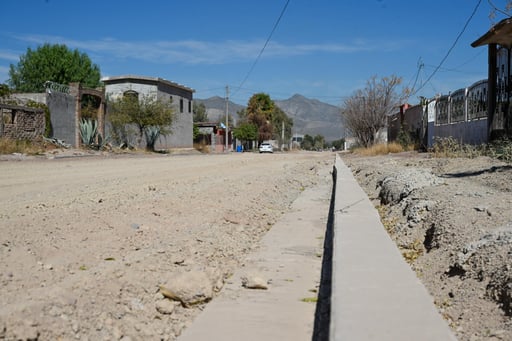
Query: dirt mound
point(451, 218)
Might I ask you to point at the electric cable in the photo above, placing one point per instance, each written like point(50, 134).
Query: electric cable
point(263, 48)
point(451, 48)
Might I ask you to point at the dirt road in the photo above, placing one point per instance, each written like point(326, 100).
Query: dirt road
point(86, 241)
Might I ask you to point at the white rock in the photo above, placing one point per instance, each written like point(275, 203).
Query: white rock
point(166, 306)
point(189, 288)
point(254, 281)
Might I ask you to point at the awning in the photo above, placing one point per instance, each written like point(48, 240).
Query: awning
point(500, 34)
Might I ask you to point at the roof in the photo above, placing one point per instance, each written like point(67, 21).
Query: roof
point(500, 34)
point(135, 78)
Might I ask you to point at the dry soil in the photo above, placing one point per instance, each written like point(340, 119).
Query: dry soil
point(86, 240)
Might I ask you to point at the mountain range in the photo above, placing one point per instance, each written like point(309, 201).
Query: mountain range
point(310, 116)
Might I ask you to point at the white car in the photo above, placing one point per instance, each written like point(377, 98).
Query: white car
point(266, 148)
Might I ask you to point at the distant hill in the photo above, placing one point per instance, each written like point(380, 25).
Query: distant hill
point(310, 116)
point(216, 108)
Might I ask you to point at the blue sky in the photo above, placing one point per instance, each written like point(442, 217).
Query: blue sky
point(323, 49)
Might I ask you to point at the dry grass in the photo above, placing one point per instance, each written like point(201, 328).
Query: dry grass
point(202, 147)
point(8, 146)
point(382, 149)
point(412, 251)
point(389, 223)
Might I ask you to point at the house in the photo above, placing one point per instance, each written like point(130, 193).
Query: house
point(409, 120)
point(179, 96)
point(213, 135)
point(499, 45)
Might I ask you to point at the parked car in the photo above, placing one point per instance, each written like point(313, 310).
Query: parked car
point(266, 148)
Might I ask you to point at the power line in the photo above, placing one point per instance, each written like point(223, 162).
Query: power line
point(264, 46)
point(450, 49)
point(420, 66)
point(496, 9)
point(458, 68)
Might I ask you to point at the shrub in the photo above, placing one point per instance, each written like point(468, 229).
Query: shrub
point(404, 138)
point(8, 146)
point(450, 147)
point(380, 149)
point(501, 149)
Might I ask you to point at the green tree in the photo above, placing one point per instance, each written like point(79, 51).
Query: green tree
point(195, 131)
point(260, 110)
point(279, 121)
point(338, 144)
point(319, 142)
point(55, 63)
point(150, 116)
point(246, 132)
point(4, 91)
point(199, 111)
point(307, 142)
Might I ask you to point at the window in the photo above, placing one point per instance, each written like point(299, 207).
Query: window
point(181, 105)
point(189, 107)
point(131, 94)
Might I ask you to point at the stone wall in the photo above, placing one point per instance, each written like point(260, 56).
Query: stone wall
point(21, 123)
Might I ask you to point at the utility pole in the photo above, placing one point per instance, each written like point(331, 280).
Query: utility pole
point(282, 136)
point(227, 116)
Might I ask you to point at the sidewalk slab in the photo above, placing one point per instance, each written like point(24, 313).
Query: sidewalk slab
point(375, 293)
point(290, 256)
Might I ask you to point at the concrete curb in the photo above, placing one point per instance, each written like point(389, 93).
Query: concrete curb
point(375, 293)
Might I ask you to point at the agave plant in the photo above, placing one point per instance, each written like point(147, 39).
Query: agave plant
point(152, 134)
point(88, 131)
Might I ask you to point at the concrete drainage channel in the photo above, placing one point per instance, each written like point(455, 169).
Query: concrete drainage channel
point(367, 290)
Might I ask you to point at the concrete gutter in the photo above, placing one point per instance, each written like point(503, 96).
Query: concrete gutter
point(288, 256)
point(375, 295)
point(367, 291)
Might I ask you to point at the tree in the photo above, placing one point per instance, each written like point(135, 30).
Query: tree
point(199, 111)
point(259, 112)
point(4, 91)
point(246, 132)
point(54, 63)
point(506, 11)
point(307, 142)
point(319, 142)
point(279, 121)
point(366, 111)
point(338, 144)
point(242, 115)
point(149, 115)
